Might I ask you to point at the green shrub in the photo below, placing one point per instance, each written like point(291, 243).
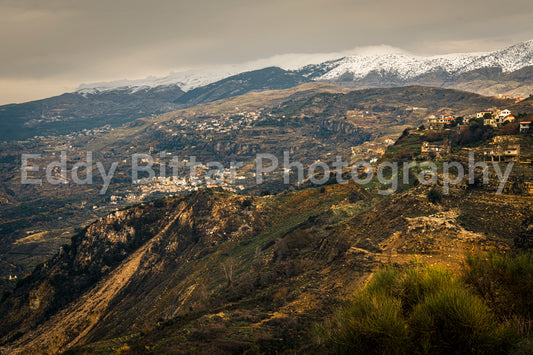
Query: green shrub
point(372, 324)
point(421, 310)
point(455, 321)
point(420, 282)
point(506, 282)
point(434, 195)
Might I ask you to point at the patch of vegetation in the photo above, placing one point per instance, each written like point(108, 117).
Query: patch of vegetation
point(505, 282)
point(434, 195)
point(475, 135)
point(419, 309)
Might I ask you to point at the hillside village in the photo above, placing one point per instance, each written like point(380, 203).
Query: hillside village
point(204, 126)
point(494, 118)
point(358, 125)
point(490, 117)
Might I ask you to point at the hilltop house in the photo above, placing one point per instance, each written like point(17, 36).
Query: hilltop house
point(511, 97)
point(439, 122)
point(525, 126)
point(496, 118)
point(504, 117)
point(511, 153)
point(504, 113)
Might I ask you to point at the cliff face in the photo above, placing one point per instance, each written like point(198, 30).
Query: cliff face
point(103, 259)
point(94, 252)
point(216, 271)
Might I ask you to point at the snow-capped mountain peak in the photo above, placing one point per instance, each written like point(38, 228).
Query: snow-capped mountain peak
point(349, 65)
point(509, 59)
point(402, 65)
point(405, 66)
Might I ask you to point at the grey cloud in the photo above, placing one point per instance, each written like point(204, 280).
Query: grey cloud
point(80, 41)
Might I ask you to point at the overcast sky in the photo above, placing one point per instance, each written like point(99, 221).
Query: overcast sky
point(51, 46)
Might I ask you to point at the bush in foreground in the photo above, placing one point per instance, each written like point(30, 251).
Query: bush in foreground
point(417, 310)
point(506, 283)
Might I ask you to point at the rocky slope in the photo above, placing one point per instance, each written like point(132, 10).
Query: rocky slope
point(218, 272)
point(311, 121)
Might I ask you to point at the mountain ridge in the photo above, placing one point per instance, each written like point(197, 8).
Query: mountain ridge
point(408, 66)
point(364, 61)
point(271, 78)
point(91, 109)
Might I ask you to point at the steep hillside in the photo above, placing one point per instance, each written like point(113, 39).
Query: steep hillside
point(311, 121)
point(72, 112)
point(215, 272)
point(393, 107)
point(43, 217)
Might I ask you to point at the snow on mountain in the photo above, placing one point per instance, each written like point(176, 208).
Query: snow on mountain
point(186, 80)
point(404, 66)
point(359, 63)
point(509, 59)
point(192, 79)
point(407, 66)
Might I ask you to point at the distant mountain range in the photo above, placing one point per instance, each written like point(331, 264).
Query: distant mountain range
point(389, 63)
point(91, 108)
point(506, 71)
point(404, 66)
